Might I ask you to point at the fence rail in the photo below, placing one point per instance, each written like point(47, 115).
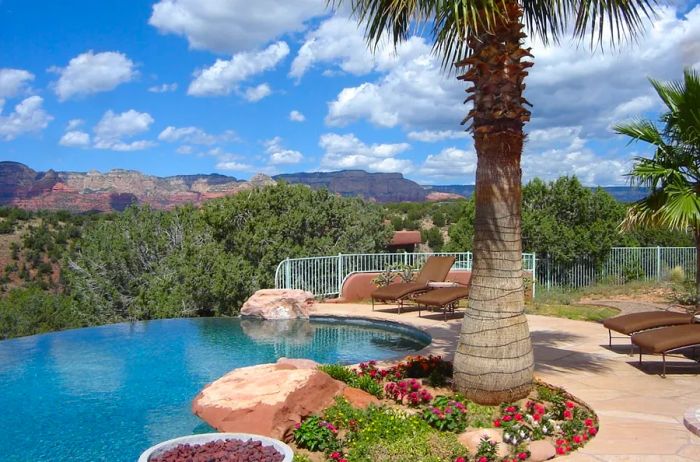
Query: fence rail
point(623, 264)
point(324, 276)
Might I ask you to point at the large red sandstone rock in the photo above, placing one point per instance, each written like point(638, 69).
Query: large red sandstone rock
point(278, 304)
point(267, 399)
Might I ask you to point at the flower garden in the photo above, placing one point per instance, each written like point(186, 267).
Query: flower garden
point(419, 418)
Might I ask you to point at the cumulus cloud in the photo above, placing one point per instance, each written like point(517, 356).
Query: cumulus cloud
point(163, 88)
point(432, 136)
point(451, 164)
point(14, 82)
point(349, 152)
point(279, 155)
point(28, 116)
point(194, 135)
point(231, 26)
point(231, 165)
point(224, 76)
point(74, 123)
point(91, 72)
point(296, 116)
point(254, 94)
point(75, 139)
point(111, 130)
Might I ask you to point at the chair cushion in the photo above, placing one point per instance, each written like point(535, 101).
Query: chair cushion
point(442, 297)
point(397, 291)
point(635, 322)
point(668, 338)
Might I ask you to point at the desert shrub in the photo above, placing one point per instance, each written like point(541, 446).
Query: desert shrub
point(31, 310)
point(676, 275)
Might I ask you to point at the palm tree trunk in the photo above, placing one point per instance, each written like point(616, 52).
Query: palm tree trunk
point(494, 361)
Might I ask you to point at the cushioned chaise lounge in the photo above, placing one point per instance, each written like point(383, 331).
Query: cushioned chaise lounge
point(435, 269)
point(667, 340)
point(629, 324)
point(445, 298)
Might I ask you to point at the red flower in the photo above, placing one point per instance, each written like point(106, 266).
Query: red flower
point(588, 422)
point(460, 459)
point(592, 431)
point(507, 418)
point(483, 459)
point(497, 423)
point(522, 456)
point(578, 439)
point(336, 455)
point(568, 415)
point(561, 450)
point(537, 417)
point(343, 460)
point(569, 404)
point(510, 409)
point(518, 417)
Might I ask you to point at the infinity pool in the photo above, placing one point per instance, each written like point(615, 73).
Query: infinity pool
point(107, 393)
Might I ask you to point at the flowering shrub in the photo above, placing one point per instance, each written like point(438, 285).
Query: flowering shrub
point(446, 414)
point(362, 379)
point(539, 420)
point(515, 427)
point(487, 451)
point(315, 434)
point(409, 392)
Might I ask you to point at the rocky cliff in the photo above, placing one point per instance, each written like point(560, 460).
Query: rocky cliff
point(380, 187)
point(112, 191)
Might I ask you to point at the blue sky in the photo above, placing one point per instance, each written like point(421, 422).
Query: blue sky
point(201, 86)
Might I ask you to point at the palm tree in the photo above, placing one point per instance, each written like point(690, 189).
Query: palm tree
point(494, 361)
point(673, 174)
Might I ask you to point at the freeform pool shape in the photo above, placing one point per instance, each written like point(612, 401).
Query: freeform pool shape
point(108, 393)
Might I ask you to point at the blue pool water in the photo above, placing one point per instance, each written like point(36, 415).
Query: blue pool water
point(107, 393)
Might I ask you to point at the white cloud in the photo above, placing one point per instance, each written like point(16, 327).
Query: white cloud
point(254, 94)
point(571, 85)
point(194, 135)
point(14, 82)
point(185, 149)
point(224, 76)
point(112, 128)
point(234, 166)
point(163, 88)
point(29, 116)
point(451, 163)
point(74, 124)
point(432, 136)
point(296, 116)
point(231, 26)
point(349, 152)
point(93, 73)
point(279, 155)
point(75, 139)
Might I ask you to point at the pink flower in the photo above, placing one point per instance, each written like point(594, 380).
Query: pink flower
point(336, 455)
point(588, 422)
point(568, 415)
point(561, 450)
point(592, 431)
point(483, 459)
point(497, 423)
point(578, 439)
point(460, 459)
point(297, 425)
point(510, 409)
point(569, 405)
point(507, 418)
point(343, 460)
point(522, 456)
point(518, 417)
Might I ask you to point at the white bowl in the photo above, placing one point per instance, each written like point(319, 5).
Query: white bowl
point(204, 438)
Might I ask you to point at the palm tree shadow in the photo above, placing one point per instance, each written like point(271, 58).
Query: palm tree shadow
point(555, 352)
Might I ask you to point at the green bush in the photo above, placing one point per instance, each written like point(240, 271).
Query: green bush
point(338, 372)
point(27, 311)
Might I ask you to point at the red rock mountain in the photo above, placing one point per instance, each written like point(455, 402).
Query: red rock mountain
point(23, 187)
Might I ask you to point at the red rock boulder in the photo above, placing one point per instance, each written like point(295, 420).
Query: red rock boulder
point(278, 304)
point(267, 399)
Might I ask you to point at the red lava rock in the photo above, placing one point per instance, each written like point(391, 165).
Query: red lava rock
point(220, 451)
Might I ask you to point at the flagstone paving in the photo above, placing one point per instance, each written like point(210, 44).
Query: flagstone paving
point(641, 414)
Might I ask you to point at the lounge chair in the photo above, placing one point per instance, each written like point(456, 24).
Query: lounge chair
point(445, 298)
point(629, 324)
point(435, 269)
point(667, 340)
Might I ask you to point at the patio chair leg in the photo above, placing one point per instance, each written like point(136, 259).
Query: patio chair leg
point(640, 357)
point(609, 338)
point(663, 372)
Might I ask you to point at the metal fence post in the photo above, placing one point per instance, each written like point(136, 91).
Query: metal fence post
point(287, 274)
point(658, 263)
point(340, 272)
point(534, 273)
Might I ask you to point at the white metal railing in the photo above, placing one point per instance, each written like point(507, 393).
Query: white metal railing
point(621, 265)
point(324, 276)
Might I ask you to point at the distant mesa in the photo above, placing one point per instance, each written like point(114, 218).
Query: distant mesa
point(115, 190)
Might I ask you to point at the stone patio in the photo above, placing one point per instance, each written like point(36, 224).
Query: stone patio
point(641, 414)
